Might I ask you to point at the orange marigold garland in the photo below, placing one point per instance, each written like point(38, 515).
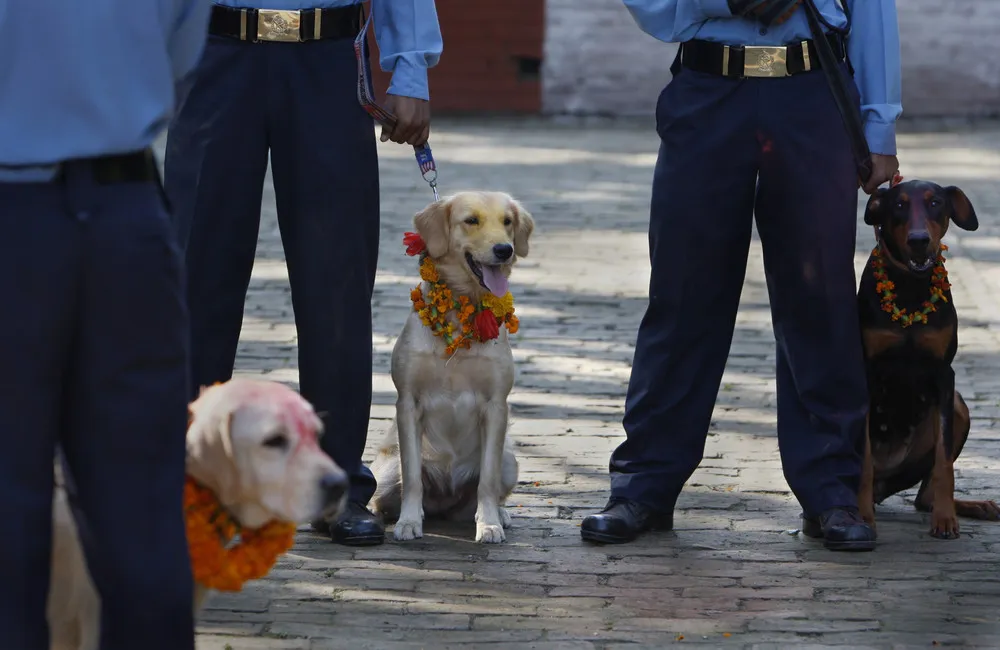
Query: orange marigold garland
point(479, 322)
point(884, 287)
point(210, 529)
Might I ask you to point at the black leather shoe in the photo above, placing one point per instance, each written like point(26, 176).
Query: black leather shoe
point(356, 526)
point(842, 529)
point(623, 521)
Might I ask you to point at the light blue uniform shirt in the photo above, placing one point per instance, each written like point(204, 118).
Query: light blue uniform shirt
point(407, 32)
point(83, 78)
point(873, 46)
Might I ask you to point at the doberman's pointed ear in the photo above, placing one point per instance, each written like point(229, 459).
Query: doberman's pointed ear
point(874, 209)
point(962, 212)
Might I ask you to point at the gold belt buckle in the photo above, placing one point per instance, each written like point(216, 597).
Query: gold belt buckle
point(279, 25)
point(765, 61)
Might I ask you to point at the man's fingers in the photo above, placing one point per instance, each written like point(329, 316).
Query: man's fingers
point(419, 136)
point(425, 134)
point(874, 182)
point(406, 135)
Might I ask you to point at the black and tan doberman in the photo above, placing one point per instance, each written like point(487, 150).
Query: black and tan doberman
point(917, 422)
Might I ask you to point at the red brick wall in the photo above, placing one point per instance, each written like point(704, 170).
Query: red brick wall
point(492, 57)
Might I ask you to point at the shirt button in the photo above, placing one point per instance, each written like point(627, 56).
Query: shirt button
point(763, 30)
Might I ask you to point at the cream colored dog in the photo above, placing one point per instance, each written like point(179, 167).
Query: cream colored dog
point(254, 445)
point(448, 447)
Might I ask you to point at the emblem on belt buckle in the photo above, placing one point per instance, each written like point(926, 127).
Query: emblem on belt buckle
point(761, 61)
point(278, 25)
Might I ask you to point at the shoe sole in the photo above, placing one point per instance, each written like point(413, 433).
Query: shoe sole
point(370, 540)
point(604, 538)
point(850, 546)
point(812, 531)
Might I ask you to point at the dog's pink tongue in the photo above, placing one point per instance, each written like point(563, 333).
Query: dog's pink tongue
point(495, 281)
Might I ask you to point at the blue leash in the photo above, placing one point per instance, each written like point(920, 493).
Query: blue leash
point(366, 96)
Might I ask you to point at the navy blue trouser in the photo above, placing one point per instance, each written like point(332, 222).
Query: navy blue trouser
point(94, 344)
point(299, 102)
point(775, 149)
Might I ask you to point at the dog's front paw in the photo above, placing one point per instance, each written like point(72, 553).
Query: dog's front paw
point(489, 534)
point(407, 529)
point(504, 517)
point(944, 526)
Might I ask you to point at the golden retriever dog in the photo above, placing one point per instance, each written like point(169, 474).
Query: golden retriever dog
point(447, 454)
point(253, 444)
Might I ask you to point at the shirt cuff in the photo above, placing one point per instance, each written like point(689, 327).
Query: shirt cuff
point(881, 138)
point(409, 77)
point(715, 8)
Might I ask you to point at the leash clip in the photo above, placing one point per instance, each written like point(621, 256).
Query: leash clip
point(428, 169)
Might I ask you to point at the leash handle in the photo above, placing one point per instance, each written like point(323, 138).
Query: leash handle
point(849, 112)
point(366, 97)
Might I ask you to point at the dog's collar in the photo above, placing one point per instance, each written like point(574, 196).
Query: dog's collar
point(885, 288)
point(215, 562)
point(197, 495)
point(468, 321)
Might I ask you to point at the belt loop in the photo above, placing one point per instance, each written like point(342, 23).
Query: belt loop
point(806, 64)
point(725, 60)
point(318, 13)
point(243, 24)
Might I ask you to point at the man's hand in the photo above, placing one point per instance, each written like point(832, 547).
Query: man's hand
point(884, 168)
point(413, 120)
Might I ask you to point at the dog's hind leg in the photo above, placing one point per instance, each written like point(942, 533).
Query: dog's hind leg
point(508, 480)
point(987, 510)
point(388, 493)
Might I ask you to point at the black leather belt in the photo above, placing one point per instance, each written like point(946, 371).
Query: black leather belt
point(759, 61)
point(285, 26)
point(136, 167)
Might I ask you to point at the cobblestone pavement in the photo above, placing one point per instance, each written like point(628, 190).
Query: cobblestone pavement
point(734, 573)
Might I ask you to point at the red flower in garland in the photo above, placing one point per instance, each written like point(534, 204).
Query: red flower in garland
point(486, 325)
point(414, 244)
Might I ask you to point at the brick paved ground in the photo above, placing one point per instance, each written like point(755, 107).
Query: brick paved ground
point(734, 574)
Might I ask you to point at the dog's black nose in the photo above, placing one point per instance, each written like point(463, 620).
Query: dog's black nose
point(334, 487)
point(919, 242)
point(503, 252)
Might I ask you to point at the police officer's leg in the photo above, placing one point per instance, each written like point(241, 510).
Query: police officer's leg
point(700, 227)
point(807, 216)
point(216, 161)
point(39, 271)
point(123, 435)
point(325, 170)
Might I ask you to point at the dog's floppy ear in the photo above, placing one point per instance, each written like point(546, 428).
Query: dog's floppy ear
point(210, 455)
point(874, 209)
point(524, 225)
point(434, 226)
point(962, 212)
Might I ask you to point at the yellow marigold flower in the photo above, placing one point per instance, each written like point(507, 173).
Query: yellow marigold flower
point(428, 271)
point(499, 306)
